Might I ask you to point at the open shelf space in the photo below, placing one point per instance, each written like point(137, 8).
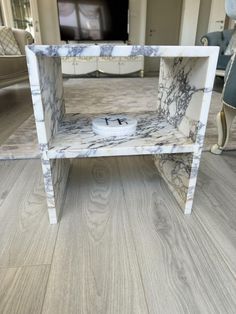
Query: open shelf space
point(75, 138)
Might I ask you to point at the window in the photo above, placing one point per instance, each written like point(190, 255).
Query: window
point(22, 14)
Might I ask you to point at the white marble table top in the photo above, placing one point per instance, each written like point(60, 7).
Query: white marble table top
point(121, 51)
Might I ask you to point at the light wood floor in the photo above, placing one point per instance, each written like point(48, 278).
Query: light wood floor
point(15, 108)
point(123, 246)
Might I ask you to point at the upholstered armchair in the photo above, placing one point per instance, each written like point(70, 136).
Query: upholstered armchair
point(13, 67)
point(222, 40)
point(228, 112)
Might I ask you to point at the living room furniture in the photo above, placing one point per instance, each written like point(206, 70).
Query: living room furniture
point(13, 68)
point(222, 40)
point(102, 65)
point(105, 65)
point(173, 133)
point(226, 116)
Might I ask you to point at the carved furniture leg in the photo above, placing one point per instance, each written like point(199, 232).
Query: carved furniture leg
point(224, 121)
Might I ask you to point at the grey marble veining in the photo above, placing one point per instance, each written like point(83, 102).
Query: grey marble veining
point(48, 100)
point(182, 95)
point(55, 174)
point(75, 138)
point(179, 171)
point(176, 90)
point(109, 50)
point(177, 126)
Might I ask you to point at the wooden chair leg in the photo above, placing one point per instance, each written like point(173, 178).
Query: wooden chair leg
point(224, 120)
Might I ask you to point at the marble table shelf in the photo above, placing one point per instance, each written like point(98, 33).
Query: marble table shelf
point(75, 138)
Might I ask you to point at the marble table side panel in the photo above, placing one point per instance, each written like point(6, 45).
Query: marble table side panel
point(182, 85)
point(47, 94)
point(34, 78)
point(210, 69)
point(55, 174)
point(32, 65)
point(60, 172)
point(194, 122)
point(179, 171)
point(52, 93)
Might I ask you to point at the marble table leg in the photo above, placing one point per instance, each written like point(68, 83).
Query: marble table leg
point(179, 171)
point(55, 174)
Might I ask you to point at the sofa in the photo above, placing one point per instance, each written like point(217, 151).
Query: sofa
point(222, 40)
point(13, 68)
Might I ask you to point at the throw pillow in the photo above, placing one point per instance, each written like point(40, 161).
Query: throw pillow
point(8, 41)
point(231, 48)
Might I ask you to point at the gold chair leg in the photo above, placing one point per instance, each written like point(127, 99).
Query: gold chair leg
point(224, 120)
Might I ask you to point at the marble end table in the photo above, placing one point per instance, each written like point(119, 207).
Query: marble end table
point(173, 133)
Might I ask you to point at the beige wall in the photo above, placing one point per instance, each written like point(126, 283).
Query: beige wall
point(137, 21)
point(204, 14)
point(189, 22)
point(49, 21)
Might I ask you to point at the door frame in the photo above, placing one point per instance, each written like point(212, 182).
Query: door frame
point(211, 16)
point(189, 22)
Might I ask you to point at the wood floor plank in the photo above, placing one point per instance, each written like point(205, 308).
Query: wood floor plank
point(26, 236)
point(9, 172)
point(95, 267)
point(215, 201)
point(229, 158)
point(22, 289)
point(177, 259)
point(15, 108)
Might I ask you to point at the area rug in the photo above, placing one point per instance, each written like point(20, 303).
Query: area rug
point(93, 95)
